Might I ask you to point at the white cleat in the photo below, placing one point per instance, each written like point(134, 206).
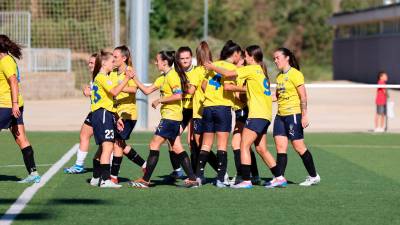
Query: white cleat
point(311, 181)
point(94, 182)
point(226, 179)
point(109, 184)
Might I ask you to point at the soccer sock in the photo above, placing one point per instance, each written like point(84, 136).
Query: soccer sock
point(151, 164)
point(212, 160)
point(116, 165)
point(29, 160)
point(222, 158)
point(185, 163)
point(236, 156)
point(254, 168)
point(309, 163)
point(135, 157)
point(105, 171)
point(173, 157)
point(80, 157)
point(194, 154)
point(245, 172)
point(201, 163)
point(281, 162)
point(96, 168)
point(275, 171)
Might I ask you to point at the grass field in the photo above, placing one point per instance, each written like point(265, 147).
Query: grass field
point(360, 185)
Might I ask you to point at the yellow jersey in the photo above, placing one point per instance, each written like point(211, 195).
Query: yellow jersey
point(198, 98)
point(169, 85)
point(8, 68)
point(286, 87)
point(101, 96)
point(258, 91)
point(237, 103)
point(125, 102)
point(188, 98)
point(214, 93)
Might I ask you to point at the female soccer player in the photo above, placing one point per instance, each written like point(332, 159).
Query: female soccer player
point(86, 130)
point(12, 104)
point(292, 115)
point(217, 117)
point(103, 113)
point(172, 84)
point(259, 101)
point(126, 110)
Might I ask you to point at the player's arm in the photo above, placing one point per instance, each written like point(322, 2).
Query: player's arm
point(116, 90)
point(87, 92)
point(233, 87)
point(301, 90)
point(223, 72)
point(145, 89)
point(204, 85)
point(13, 81)
point(130, 89)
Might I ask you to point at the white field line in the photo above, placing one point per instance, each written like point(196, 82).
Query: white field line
point(19, 205)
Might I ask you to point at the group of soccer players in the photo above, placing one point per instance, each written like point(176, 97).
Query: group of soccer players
point(198, 98)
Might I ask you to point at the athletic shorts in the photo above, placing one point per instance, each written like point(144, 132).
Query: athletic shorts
point(289, 126)
point(7, 119)
point(381, 109)
point(168, 129)
point(197, 126)
point(242, 114)
point(217, 119)
point(187, 116)
point(103, 122)
point(88, 120)
point(126, 132)
point(260, 126)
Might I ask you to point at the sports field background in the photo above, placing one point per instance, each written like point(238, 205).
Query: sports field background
point(360, 185)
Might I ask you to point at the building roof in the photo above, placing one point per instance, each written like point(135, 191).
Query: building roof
point(384, 12)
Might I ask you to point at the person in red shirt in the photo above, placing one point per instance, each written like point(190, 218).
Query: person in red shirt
point(381, 98)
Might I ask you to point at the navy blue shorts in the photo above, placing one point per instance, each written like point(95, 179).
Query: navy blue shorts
point(168, 129)
point(198, 126)
point(7, 119)
point(126, 132)
point(289, 126)
point(242, 114)
point(217, 119)
point(88, 120)
point(103, 123)
point(258, 125)
point(187, 116)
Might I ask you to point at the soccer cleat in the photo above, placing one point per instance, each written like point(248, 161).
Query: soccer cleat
point(95, 182)
point(276, 182)
point(114, 180)
point(226, 179)
point(139, 183)
point(201, 180)
point(109, 184)
point(191, 183)
point(75, 169)
point(243, 185)
point(220, 184)
point(311, 181)
point(30, 179)
point(256, 180)
point(174, 175)
point(235, 180)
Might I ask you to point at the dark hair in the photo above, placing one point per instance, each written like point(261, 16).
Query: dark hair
point(100, 57)
point(184, 49)
point(94, 55)
point(255, 51)
point(8, 46)
point(229, 48)
point(292, 59)
point(381, 73)
point(171, 58)
point(125, 52)
point(203, 53)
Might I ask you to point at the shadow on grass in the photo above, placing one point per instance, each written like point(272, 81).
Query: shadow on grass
point(7, 201)
point(77, 201)
point(9, 178)
point(27, 216)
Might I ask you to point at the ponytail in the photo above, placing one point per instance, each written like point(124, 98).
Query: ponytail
point(100, 57)
point(203, 53)
point(292, 59)
point(9, 47)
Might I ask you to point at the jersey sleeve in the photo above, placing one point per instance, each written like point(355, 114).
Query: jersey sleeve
point(298, 80)
point(242, 74)
point(105, 82)
point(131, 83)
point(175, 83)
point(9, 67)
point(229, 67)
point(159, 82)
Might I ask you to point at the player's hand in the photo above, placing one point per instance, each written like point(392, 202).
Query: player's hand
point(155, 103)
point(120, 125)
point(87, 91)
point(304, 121)
point(15, 110)
point(208, 65)
point(131, 73)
